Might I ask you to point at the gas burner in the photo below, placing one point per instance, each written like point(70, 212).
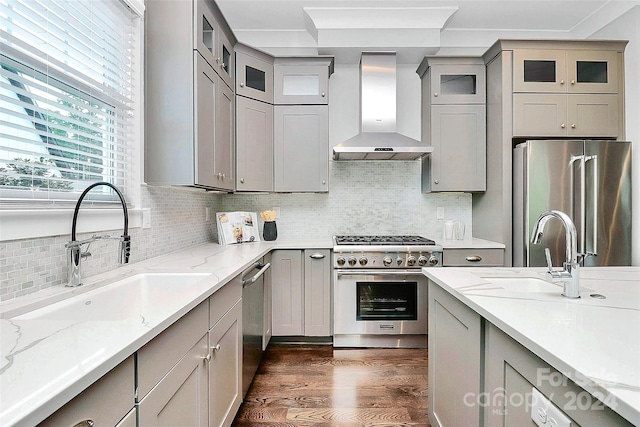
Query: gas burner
point(384, 240)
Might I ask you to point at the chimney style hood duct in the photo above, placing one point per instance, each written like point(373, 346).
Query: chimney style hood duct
point(378, 139)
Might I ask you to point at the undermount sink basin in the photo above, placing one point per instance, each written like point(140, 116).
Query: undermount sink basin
point(525, 284)
point(127, 298)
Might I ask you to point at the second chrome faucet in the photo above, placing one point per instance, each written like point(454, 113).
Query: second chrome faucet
point(570, 275)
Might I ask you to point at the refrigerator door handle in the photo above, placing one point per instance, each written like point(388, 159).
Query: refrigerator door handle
point(594, 206)
point(572, 161)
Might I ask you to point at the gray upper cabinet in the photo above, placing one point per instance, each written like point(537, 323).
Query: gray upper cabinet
point(190, 114)
point(454, 123)
point(212, 41)
point(566, 92)
point(302, 80)
point(254, 145)
point(301, 143)
point(254, 74)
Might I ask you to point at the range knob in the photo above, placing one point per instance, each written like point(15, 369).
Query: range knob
point(399, 261)
point(411, 261)
point(422, 260)
point(352, 261)
point(340, 261)
point(433, 260)
point(386, 261)
point(363, 260)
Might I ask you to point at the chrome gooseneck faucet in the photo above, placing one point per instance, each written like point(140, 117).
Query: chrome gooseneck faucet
point(74, 247)
point(569, 276)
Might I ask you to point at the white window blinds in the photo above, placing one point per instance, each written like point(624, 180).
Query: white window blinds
point(66, 91)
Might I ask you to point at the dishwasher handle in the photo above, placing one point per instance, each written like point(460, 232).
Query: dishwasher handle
point(263, 268)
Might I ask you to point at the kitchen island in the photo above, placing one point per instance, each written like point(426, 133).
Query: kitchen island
point(583, 354)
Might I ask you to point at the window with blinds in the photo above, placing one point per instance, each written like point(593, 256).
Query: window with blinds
point(66, 97)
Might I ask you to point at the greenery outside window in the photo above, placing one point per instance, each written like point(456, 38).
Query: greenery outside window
point(67, 85)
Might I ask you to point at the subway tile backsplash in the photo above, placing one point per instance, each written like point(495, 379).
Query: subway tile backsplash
point(365, 197)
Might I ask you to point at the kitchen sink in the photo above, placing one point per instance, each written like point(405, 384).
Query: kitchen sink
point(525, 284)
point(124, 299)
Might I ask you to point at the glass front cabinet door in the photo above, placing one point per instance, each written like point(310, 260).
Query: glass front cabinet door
point(457, 84)
point(254, 74)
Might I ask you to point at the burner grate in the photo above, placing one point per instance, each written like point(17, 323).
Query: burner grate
point(384, 240)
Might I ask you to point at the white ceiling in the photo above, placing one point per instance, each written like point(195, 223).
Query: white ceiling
point(412, 28)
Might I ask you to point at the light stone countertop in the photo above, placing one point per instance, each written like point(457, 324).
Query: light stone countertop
point(472, 243)
point(45, 363)
point(595, 342)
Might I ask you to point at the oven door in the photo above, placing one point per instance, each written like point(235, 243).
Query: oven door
point(379, 302)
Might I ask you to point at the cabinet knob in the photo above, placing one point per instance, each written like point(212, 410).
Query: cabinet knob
point(217, 347)
point(561, 82)
point(573, 82)
point(84, 423)
point(223, 176)
point(563, 126)
point(435, 94)
point(573, 125)
point(241, 84)
point(323, 94)
point(435, 181)
point(207, 357)
point(324, 182)
point(241, 180)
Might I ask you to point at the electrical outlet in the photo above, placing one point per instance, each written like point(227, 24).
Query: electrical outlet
point(277, 209)
point(146, 218)
point(546, 414)
point(207, 214)
point(439, 212)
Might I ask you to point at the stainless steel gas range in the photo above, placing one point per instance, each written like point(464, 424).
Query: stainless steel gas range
point(380, 293)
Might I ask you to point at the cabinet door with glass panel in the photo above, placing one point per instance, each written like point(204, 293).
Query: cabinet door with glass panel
point(572, 71)
point(457, 83)
point(254, 74)
point(302, 80)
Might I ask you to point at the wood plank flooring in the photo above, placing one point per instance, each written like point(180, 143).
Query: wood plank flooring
point(317, 385)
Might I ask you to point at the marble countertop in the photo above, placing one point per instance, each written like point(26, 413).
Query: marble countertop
point(595, 342)
point(45, 362)
point(472, 243)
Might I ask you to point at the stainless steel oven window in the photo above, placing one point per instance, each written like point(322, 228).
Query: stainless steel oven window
point(386, 301)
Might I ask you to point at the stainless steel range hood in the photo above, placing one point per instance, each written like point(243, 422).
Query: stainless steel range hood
point(378, 138)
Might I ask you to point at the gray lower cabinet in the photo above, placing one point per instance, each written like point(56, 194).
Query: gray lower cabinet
point(225, 379)
point(180, 398)
point(107, 402)
point(254, 145)
point(512, 373)
point(301, 144)
point(455, 339)
point(301, 292)
point(466, 257)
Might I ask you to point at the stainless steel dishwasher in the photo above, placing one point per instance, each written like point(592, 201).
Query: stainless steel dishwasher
point(252, 320)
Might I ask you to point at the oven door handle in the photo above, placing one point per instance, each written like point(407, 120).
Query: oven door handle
point(379, 273)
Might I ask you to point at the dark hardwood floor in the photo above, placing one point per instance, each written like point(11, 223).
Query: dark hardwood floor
point(317, 385)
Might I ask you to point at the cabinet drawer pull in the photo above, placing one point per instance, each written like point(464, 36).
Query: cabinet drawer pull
point(316, 255)
point(474, 258)
point(84, 423)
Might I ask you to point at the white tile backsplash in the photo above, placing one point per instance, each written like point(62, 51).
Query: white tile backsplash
point(365, 197)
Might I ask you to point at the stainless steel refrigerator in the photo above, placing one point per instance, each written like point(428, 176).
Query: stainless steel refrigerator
point(587, 179)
